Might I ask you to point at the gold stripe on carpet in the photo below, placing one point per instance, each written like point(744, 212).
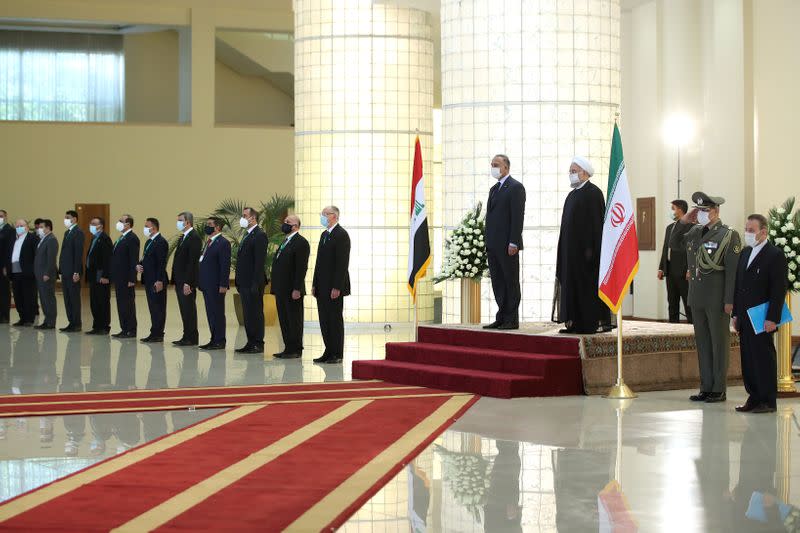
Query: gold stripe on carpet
point(332, 505)
point(182, 502)
point(61, 487)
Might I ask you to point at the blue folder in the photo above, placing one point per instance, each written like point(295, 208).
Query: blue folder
point(758, 315)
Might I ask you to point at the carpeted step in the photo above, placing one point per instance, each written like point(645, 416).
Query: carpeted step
point(492, 339)
point(560, 367)
point(496, 384)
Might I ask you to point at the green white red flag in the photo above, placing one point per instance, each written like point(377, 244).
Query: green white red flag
point(419, 253)
point(619, 253)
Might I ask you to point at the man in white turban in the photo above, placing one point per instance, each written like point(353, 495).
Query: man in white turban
point(576, 303)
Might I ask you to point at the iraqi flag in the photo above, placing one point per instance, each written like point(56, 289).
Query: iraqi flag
point(619, 254)
point(419, 248)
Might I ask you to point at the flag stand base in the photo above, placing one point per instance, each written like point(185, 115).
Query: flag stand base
point(620, 391)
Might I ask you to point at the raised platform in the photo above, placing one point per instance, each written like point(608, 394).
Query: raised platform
point(538, 361)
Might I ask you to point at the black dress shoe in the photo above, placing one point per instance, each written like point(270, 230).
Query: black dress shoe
point(65, 328)
point(127, 335)
point(701, 397)
point(746, 407)
point(213, 346)
point(494, 325)
point(279, 354)
point(19, 323)
point(508, 325)
point(333, 361)
point(714, 397)
point(243, 349)
point(177, 342)
point(185, 342)
point(44, 326)
point(255, 349)
point(566, 330)
point(120, 334)
point(763, 408)
point(284, 355)
point(151, 338)
point(322, 359)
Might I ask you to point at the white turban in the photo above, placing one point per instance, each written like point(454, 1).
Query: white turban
point(584, 164)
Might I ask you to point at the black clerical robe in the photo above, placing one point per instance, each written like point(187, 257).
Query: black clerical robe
point(576, 302)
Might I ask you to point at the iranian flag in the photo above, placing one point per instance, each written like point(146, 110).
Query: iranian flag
point(619, 254)
point(419, 248)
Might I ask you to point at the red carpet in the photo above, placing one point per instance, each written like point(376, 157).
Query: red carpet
point(305, 466)
point(503, 365)
point(208, 397)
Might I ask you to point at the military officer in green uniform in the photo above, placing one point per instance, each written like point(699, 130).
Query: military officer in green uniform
point(712, 250)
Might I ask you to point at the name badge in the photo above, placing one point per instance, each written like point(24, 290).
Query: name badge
point(711, 245)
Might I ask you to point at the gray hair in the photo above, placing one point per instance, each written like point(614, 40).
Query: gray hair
point(334, 209)
point(505, 159)
point(187, 216)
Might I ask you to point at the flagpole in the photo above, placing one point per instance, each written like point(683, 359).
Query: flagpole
point(620, 391)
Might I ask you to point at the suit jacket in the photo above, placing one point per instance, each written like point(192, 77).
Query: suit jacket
point(71, 259)
point(250, 261)
point(185, 264)
point(290, 266)
point(27, 256)
point(154, 261)
point(124, 258)
point(7, 237)
point(98, 258)
point(44, 263)
point(333, 258)
point(764, 281)
point(215, 268)
point(505, 211)
point(673, 252)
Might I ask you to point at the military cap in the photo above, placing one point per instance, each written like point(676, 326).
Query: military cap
point(701, 199)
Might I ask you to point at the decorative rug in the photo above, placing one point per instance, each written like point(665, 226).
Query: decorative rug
point(300, 466)
point(200, 398)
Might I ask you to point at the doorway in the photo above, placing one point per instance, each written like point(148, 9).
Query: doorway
point(86, 212)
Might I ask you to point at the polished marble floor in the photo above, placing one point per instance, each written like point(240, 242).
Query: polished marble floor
point(541, 464)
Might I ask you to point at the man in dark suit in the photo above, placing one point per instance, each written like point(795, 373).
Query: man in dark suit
point(46, 271)
point(124, 258)
point(289, 286)
point(20, 267)
point(215, 275)
point(153, 268)
point(331, 284)
point(185, 274)
point(70, 267)
point(505, 211)
point(674, 263)
point(250, 280)
point(7, 237)
point(98, 274)
point(761, 276)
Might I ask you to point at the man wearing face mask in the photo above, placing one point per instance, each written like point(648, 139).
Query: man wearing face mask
point(70, 266)
point(331, 284)
point(185, 274)
point(761, 277)
point(712, 251)
point(124, 258)
point(23, 280)
point(575, 302)
point(153, 268)
point(215, 275)
point(289, 286)
point(98, 274)
point(673, 263)
point(46, 271)
point(251, 278)
point(7, 237)
point(505, 211)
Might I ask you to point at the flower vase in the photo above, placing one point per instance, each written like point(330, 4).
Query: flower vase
point(470, 301)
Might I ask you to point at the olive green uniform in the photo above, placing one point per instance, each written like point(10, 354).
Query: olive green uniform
point(713, 257)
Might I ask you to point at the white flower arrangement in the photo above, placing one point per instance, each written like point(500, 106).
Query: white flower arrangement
point(465, 249)
point(786, 236)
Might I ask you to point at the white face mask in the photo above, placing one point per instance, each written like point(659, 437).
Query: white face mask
point(672, 216)
point(120, 227)
point(181, 225)
point(147, 231)
point(40, 232)
point(93, 229)
point(243, 222)
point(703, 217)
point(750, 239)
point(574, 180)
point(495, 172)
point(2, 221)
point(67, 222)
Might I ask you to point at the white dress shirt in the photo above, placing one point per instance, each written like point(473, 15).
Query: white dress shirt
point(756, 249)
point(18, 247)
